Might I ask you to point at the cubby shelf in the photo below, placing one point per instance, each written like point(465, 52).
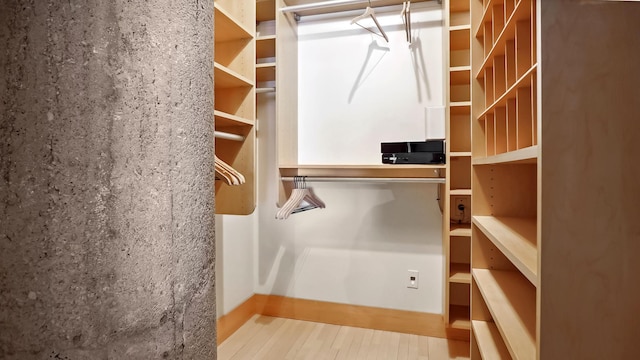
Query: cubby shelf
point(460, 75)
point(460, 230)
point(516, 238)
point(454, 192)
point(460, 107)
point(489, 341)
point(524, 81)
point(266, 72)
point(459, 317)
point(460, 273)
point(266, 46)
point(511, 300)
point(522, 12)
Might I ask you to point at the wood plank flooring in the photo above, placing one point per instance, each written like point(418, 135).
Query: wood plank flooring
point(265, 338)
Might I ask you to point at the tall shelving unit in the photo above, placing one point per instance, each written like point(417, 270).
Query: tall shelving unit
point(554, 107)
point(234, 85)
point(505, 180)
point(457, 219)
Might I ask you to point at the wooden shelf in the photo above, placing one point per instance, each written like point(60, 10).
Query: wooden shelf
point(458, 6)
point(265, 10)
point(460, 75)
point(516, 238)
point(460, 154)
point(266, 47)
point(460, 230)
point(528, 155)
point(379, 171)
point(459, 37)
point(521, 12)
point(453, 192)
point(459, 317)
point(489, 340)
point(223, 119)
point(227, 28)
point(460, 107)
point(226, 78)
point(511, 300)
point(523, 81)
point(460, 273)
point(266, 72)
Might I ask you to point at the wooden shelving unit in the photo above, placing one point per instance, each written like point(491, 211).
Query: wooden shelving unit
point(505, 180)
point(547, 280)
point(234, 85)
point(457, 228)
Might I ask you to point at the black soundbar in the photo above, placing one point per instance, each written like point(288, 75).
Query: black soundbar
point(413, 152)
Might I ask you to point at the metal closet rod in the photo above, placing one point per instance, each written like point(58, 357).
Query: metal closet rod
point(327, 4)
point(228, 136)
point(363, 179)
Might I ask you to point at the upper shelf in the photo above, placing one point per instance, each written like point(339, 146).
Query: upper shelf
point(516, 238)
point(307, 7)
point(223, 119)
point(227, 28)
point(265, 10)
point(365, 171)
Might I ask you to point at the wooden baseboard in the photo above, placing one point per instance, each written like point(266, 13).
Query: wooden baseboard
point(409, 322)
point(228, 324)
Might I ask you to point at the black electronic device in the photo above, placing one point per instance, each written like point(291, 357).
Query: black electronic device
point(413, 152)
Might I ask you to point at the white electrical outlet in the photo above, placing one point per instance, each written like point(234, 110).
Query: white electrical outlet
point(460, 209)
point(412, 279)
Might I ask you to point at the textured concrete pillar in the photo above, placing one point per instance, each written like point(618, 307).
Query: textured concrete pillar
point(106, 182)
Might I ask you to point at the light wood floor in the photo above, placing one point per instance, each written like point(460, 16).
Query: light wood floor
point(265, 338)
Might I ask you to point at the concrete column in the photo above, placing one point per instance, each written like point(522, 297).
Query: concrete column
point(106, 180)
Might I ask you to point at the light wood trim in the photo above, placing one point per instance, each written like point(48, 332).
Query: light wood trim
point(409, 322)
point(528, 155)
point(228, 324)
point(489, 341)
point(460, 154)
point(516, 238)
point(523, 81)
point(512, 303)
point(265, 72)
point(460, 107)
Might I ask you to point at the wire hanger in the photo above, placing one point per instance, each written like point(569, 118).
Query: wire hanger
point(406, 19)
point(301, 199)
point(369, 12)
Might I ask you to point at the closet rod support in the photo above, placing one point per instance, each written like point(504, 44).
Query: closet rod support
point(365, 179)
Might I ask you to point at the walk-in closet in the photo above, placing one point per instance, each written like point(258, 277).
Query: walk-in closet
point(517, 245)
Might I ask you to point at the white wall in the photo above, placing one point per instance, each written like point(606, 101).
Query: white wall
point(234, 260)
point(353, 95)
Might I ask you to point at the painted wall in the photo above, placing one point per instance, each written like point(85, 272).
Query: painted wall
point(356, 91)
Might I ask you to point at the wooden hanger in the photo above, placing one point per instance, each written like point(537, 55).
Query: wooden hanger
point(301, 199)
point(369, 12)
point(227, 173)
